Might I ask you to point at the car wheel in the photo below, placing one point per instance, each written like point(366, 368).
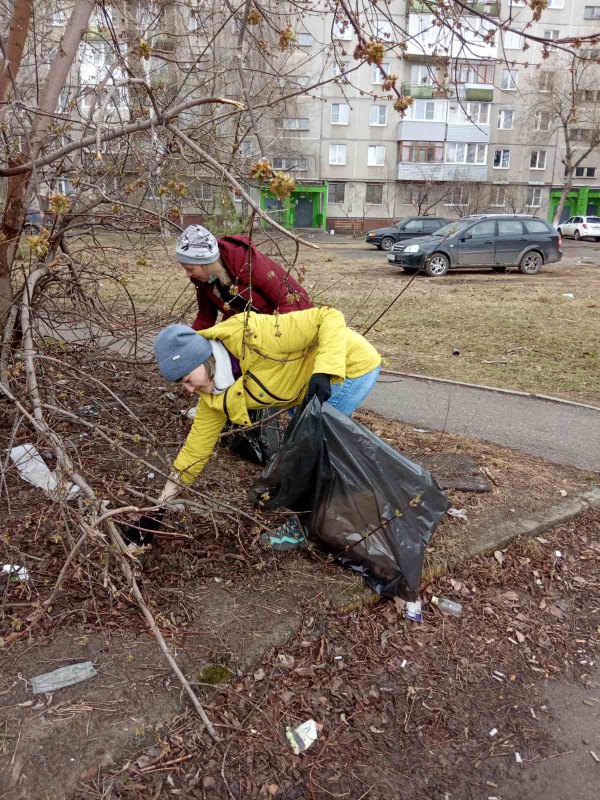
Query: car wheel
point(30, 229)
point(387, 242)
point(577, 236)
point(499, 269)
point(410, 270)
point(437, 265)
point(531, 263)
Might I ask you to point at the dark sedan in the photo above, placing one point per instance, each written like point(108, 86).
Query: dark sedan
point(488, 240)
point(407, 228)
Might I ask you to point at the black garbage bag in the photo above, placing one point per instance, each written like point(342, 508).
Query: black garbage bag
point(258, 445)
point(369, 505)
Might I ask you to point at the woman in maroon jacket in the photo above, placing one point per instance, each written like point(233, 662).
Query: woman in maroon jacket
point(230, 272)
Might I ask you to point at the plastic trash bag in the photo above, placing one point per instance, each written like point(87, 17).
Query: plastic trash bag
point(369, 505)
point(258, 445)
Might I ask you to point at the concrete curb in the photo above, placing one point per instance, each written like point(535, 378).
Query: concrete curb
point(496, 389)
point(534, 524)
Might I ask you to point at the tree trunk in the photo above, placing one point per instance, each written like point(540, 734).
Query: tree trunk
point(13, 49)
point(563, 199)
point(14, 214)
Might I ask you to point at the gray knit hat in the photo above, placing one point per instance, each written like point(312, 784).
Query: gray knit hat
point(179, 350)
point(197, 245)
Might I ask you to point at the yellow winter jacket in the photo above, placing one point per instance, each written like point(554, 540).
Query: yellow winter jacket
point(278, 355)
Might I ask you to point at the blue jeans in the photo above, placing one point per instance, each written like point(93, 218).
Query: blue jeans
point(352, 393)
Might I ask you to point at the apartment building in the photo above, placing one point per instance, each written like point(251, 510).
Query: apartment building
point(473, 140)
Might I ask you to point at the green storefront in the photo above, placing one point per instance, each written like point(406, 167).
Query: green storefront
point(306, 207)
point(581, 200)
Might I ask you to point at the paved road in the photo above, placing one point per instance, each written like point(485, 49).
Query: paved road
point(558, 432)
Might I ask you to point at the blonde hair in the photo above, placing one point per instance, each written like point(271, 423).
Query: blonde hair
point(210, 367)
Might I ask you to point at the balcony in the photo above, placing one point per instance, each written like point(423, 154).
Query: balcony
point(468, 132)
point(477, 91)
point(420, 90)
point(438, 171)
point(490, 8)
point(421, 130)
point(429, 40)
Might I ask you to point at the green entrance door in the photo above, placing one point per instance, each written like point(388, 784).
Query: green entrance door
point(304, 212)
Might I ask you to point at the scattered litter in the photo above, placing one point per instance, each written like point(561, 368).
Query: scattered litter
point(150, 476)
point(421, 430)
point(491, 784)
point(493, 732)
point(65, 676)
point(170, 396)
point(558, 553)
point(458, 513)
point(518, 758)
point(563, 492)
point(595, 757)
point(520, 637)
point(15, 572)
point(569, 294)
point(338, 658)
point(373, 729)
point(455, 352)
point(413, 611)
point(449, 606)
point(34, 470)
point(302, 737)
point(403, 664)
point(86, 411)
point(499, 556)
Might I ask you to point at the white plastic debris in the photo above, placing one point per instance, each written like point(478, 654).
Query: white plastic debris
point(459, 513)
point(64, 676)
point(569, 294)
point(518, 758)
point(413, 611)
point(493, 732)
point(34, 470)
point(421, 430)
point(302, 737)
point(15, 572)
point(403, 664)
point(558, 553)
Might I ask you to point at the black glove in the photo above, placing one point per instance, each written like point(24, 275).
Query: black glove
point(319, 386)
point(147, 524)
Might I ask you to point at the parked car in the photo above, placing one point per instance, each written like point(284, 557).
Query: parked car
point(407, 228)
point(581, 228)
point(487, 240)
point(34, 222)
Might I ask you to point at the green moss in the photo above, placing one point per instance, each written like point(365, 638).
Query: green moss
point(214, 674)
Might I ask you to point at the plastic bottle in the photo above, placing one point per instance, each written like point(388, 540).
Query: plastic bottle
point(449, 606)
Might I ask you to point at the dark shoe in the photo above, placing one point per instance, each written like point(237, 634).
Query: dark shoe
point(288, 536)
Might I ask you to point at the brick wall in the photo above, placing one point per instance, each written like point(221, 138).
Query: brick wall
point(358, 227)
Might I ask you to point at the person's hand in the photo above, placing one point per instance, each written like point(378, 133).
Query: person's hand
point(319, 386)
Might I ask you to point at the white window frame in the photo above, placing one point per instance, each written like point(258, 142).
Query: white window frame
point(502, 118)
point(343, 35)
point(498, 191)
point(533, 191)
point(461, 189)
point(340, 114)
point(536, 155)
point(375, 112)
point(304, 39)
point(503, 151)
point(548, 84)
point(373, 153)
point(287, 164)
point(371, 202)
point(595, 12)
point(469, 112)
point(384, 30)
point(339, 150)
point(295, 123)
point(539, 116)
point(421, 75)
point(418, 111)
point(555, 5)
point(339, 69)
point(376, 76)
point(512, 80)
point(512, 40)
point(555, 35)
point(462, 151)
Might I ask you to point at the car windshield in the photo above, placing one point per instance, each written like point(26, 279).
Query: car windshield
point(595, 220)
point(450, 229)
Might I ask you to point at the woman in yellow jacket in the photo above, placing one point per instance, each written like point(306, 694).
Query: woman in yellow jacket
point(255, 361)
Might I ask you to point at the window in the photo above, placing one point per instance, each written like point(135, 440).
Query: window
point(462, 153)
point(374, 194)
point(304, 40)
point(421, 75)
point(542, 121)
point(339, 113)
point(422, 152)
point(534, 197)
point(376, 155)
point(591, 12)
point(204, 191)
point(483, 230)
point(551, 36)
point(474, 73)
point(510, 227)
point(458, 196)
point(513, 40)
point(339, 68)
point(538, 159)
point(498, 197)
point(535, 226)
point(427, 111)
point(60, 18)
point(509, 79)
point(338, 154)
point(516, 3)
point(546, 81)
point(294, 124)
point(479, 113)
point(342, 30)
point(299, 80)
point(413, 226)
point(556, 4)
point(378, 115)
point(290, 164)
point(505, 119)
point(376, 76)
point(501, 159)
point(383, 29)
point(336, 192)
point(585, 172)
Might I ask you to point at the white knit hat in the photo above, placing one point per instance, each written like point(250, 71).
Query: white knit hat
point(197, 245)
